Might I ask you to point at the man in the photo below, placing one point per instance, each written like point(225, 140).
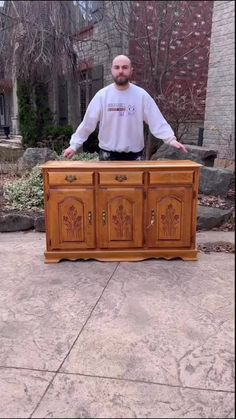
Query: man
point(120, 108)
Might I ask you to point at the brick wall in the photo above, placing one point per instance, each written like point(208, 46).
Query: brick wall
point(169, 46)
point(219, 114)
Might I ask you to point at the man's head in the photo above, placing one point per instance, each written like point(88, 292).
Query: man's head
point(121, 71)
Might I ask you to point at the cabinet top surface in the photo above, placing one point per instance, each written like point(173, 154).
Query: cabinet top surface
point(144, 164)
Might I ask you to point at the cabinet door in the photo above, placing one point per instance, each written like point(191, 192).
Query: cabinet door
point(120, 217)
point(169, 216)
point(71, 219)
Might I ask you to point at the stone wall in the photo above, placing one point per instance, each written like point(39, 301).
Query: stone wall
point(106, 42)
point(219, 131)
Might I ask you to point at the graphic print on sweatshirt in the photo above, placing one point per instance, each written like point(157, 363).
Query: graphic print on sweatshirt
point(122, 108)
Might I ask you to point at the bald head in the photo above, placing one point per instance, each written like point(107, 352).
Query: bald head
point(121, 71)
point(122, 58)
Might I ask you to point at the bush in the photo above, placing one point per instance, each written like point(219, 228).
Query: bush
point(56, 137)
point(34, 113)
point(27, 115)
point(27, 192)
point(82, 157)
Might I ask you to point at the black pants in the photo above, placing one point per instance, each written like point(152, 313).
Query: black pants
point(114, 155)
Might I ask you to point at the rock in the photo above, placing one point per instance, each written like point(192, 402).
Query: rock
point(34, 156)
point(215, 181)
point(15, 222)
point(39, 223)
point(209, 217)
point(202, 155)
point(10, 153)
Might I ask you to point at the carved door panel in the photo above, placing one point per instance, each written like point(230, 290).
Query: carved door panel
point(71, 219)
point(169, 216)
point(120, 217)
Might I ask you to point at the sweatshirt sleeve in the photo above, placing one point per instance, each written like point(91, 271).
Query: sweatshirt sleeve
point(88, 125)
point(158, 126)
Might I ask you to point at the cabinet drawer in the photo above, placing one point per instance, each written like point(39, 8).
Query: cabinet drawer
point(170, 177)
point(70, 178)
point(121, 178)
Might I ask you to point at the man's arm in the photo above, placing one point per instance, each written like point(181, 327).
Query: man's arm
point(176, 144)
point(87, 126)
point(158, 126)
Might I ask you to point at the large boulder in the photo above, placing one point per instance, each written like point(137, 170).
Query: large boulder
point(39, 223)
point(215, 181)
point(208, 217)
point(34, 156)
point(202, 155)
point(10, 152)
point(15, 222)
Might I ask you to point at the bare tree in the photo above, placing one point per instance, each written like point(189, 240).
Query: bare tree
point(169, 43)
point(38, 38)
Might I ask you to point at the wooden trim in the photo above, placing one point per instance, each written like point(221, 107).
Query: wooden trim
point(124, 255)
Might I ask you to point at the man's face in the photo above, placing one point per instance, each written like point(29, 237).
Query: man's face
point(121, 71)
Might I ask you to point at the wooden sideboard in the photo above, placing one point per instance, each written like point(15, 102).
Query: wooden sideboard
point(120, 211)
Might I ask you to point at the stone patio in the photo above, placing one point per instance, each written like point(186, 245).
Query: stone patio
point(108, 340)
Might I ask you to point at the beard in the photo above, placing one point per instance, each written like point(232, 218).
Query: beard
point(121, 80)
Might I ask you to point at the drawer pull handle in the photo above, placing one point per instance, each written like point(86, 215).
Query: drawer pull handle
point(121, 178)
point(90, 217)
point(104, 218)
point(70, 178)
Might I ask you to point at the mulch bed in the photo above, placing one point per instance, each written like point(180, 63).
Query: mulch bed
point(220, 246)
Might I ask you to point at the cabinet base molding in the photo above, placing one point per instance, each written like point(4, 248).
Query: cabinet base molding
point(121, 256)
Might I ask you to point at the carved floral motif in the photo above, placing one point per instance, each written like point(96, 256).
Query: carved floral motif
point(170, 220)
point(122, 221)
point(73, 222)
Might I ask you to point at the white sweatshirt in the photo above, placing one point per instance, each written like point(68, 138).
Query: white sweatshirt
point(120, 114)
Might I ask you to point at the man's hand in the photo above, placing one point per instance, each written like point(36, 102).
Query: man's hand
point(69, 153)
point(179, 146)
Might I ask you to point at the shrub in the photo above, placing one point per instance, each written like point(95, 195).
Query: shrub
point(27, 192)
point(56, 138)
point(82, 156)
point(27, 115)
point(34, 113)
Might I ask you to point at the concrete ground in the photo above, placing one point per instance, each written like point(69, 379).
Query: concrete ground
point(89, 339)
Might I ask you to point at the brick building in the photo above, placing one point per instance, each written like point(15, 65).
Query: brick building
point(172, 61)
point(169, 44)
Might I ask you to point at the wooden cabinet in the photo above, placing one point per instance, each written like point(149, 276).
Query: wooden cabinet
point(71, 219)
point(120, 211)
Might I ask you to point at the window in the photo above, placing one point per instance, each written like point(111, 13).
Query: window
point(90, 12)
point(91, 81)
